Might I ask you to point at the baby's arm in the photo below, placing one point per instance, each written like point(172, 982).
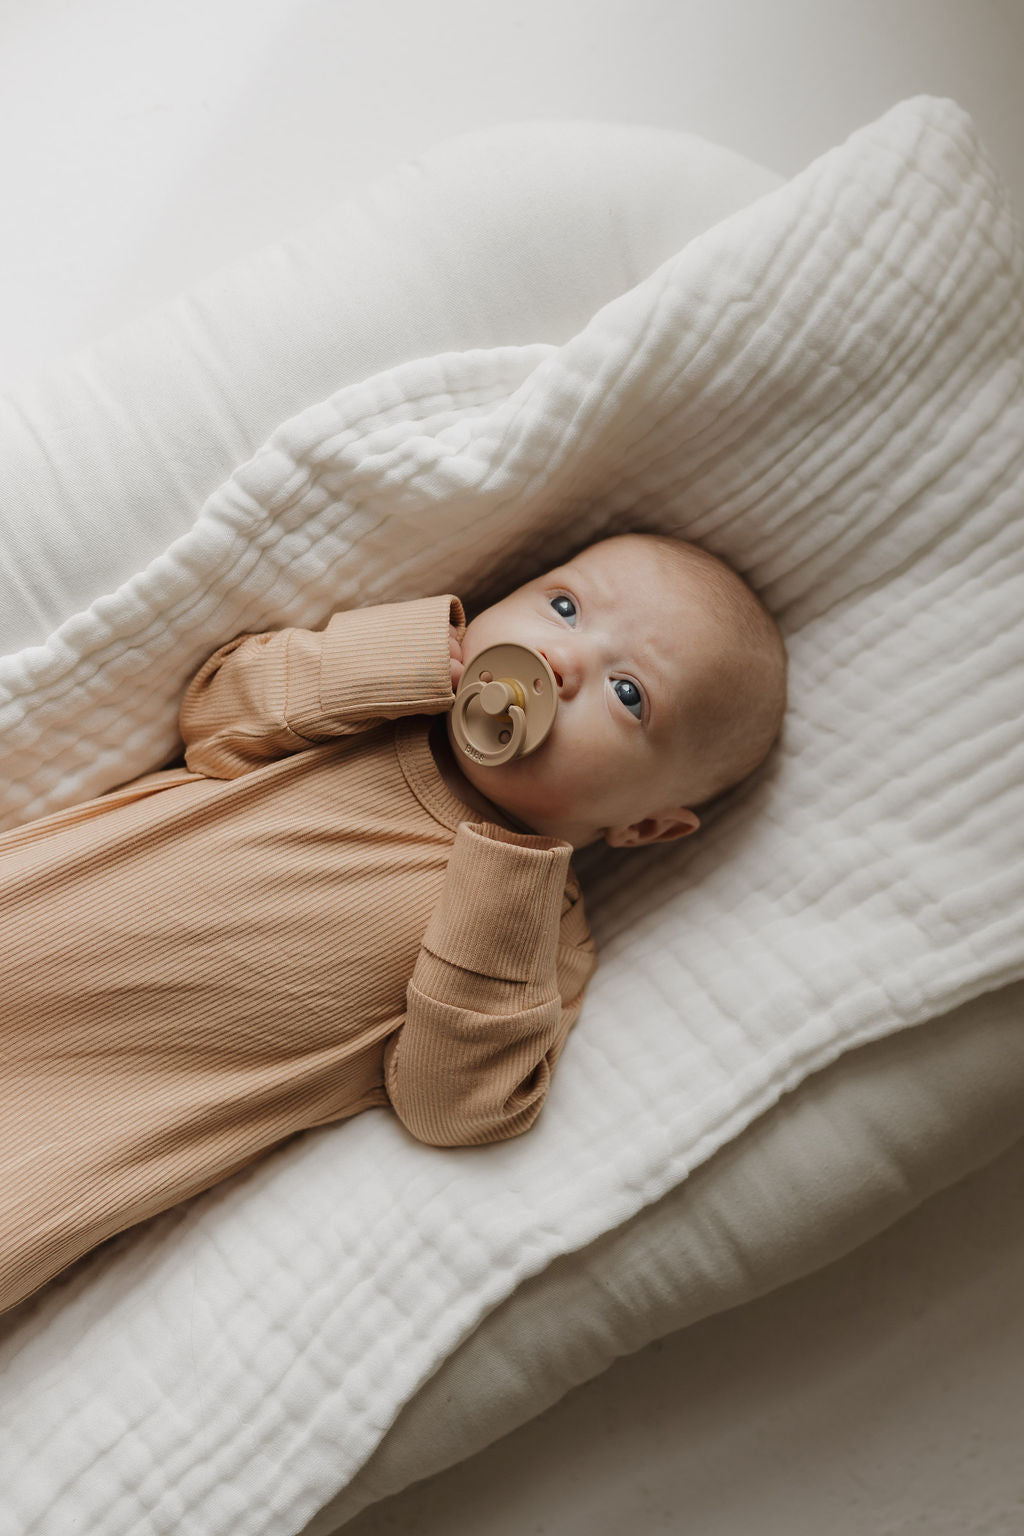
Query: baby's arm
point(485, 1020)
point(264, 696)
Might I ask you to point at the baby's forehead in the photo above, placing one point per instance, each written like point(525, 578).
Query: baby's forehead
point(617, 567)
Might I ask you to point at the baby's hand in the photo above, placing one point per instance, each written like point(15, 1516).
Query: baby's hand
point(455, 652)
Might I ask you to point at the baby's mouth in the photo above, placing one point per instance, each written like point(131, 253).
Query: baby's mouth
point(547, 658)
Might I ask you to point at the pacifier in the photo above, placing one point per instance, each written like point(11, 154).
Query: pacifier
point(505, 704)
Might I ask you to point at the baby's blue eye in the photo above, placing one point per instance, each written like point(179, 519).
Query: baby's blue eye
point(624, 682)
point(637, 700)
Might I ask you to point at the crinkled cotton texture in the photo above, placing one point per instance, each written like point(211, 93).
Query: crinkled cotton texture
point(826, 389)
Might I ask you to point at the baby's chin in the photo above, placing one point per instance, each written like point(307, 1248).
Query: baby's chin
point(524, 785)
point(531, 792)
point(526, 804)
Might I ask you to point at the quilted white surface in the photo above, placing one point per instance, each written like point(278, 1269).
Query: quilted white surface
point(825, 387)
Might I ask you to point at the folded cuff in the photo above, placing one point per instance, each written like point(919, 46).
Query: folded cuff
point(390, 659)
point(500, 908)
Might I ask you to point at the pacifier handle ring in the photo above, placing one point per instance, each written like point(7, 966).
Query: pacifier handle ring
point(517, 717)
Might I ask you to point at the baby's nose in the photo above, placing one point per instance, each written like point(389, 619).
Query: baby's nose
point(554, 667)
point(565, 674)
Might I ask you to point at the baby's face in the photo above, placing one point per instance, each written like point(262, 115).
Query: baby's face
point(624, 644)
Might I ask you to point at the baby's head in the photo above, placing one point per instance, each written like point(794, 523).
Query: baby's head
point(672, 688)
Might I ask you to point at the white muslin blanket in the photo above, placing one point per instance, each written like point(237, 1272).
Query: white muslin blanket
point(826, 388)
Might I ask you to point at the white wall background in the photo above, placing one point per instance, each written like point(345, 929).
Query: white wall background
point(143, 144)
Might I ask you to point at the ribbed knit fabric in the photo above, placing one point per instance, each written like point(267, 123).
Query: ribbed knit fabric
point(301, 923)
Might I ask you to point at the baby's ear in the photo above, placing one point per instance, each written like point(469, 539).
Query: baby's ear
point(654, 829)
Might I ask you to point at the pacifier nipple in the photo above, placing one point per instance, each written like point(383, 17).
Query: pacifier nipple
point(505, 704)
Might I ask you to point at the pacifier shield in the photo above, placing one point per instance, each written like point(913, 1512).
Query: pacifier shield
point(505, 704)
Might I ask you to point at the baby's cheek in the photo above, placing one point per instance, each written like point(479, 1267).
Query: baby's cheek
point(555, 788)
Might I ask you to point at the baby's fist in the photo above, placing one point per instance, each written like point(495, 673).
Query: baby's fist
point(455, 653)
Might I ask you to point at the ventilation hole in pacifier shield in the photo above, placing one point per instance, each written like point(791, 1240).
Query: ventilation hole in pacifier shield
point(538, 685)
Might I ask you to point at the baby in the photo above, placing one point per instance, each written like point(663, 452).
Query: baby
point(672, 687)
point(325, 908)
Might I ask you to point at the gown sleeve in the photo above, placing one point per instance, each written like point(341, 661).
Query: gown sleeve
point(498, 985)
point(265, 696)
